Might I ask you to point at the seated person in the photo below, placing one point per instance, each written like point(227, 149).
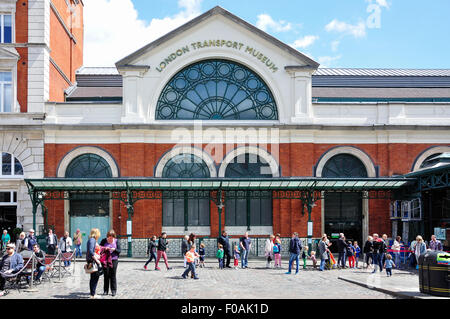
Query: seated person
point(40, 265)
point(10, 263)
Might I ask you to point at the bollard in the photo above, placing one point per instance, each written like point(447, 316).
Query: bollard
point(74, 260)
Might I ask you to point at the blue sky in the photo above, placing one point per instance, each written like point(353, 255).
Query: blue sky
point(350, 33)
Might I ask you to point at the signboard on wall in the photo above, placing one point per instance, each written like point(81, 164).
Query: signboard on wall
point(440, 233)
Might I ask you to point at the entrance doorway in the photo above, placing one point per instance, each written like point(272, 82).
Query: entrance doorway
point(91, 212)
point(343, 215)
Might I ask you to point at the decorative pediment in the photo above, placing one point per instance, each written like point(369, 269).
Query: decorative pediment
point(231, 33)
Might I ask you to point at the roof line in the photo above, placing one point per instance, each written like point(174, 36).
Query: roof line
point(214, 11)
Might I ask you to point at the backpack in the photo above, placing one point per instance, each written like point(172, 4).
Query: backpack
point(349, 251)
point(276, 249)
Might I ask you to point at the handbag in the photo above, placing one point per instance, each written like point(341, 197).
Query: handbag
point(90, 268)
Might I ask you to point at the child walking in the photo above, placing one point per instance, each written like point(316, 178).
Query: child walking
point(351, 255)
point(202, 253)
point(277, 253)
point(190, 259)
point(388, 265)
point(151, 249)
point(313, 258)
point(237, 256)
point(219, 256)
point(357, 252)
point(304, 256)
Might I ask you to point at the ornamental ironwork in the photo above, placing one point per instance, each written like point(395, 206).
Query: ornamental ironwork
point(186, 166)
point(216, 90)
point(344, 165)
point(88, 166)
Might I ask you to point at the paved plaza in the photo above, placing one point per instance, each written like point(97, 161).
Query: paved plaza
point(257, 282)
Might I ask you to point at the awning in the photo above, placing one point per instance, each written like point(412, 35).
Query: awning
point(162, 184)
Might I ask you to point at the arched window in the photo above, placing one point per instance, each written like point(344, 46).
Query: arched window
point(182, 208)
point(216, 90)
point(88, 166)
point(343, 211)
point(246, 210)
point(11, 166)
point(344, 165)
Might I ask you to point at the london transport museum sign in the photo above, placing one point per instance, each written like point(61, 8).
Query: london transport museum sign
point(221, 44)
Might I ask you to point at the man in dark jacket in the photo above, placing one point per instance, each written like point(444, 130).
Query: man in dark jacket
point(185, 248)
point(342, 247)
point(378, 249)
point(295, 248)
point(9, 264)
point(52, 242)
point(225, 242)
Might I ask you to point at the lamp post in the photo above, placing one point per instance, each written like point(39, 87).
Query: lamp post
point(129, 229)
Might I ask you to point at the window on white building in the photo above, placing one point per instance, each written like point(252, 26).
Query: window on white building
point(6, 92)
point(6, 28)
point(11, 166)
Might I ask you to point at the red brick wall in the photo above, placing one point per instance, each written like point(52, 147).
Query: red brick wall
point(139, 160)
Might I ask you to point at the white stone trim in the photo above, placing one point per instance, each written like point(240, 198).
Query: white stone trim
point(185, 150)
point(363, 157)
point(86, 150)
point(427, 153)
point(254, 230)
point(251, 150)
point(179, 230)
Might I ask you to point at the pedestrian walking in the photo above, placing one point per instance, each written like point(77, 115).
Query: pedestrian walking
point(368, 251)
point(323, 253)
point(396, 249)
point(385, 247)
point(342, 246)
point(245, 244)
point(268, 250)
point(151, 250)
point(220, 255)
point(202, 254)
point(419, 249)
point(6, 239)
point(191, 255)
point(295, 248)
point(225, 242)
point(110, 261)
point(161, 251)
point(65, 245)
point(185, 248)
point(305, 256)
point(350, 254)
point(378, 248)
point(388, 265)
point(52, 242)
point(313, 259)
point(93, 256)
point(357, 252)
point(277, 253)
point(78, 241)
point(236, 256)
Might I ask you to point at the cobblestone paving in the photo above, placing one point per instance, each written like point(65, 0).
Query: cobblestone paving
point(256, 282)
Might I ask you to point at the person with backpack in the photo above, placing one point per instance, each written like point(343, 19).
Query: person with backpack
point(368, 251)
point(295, 248)
point(277, 253)
point(350, 252)
point(378, 249)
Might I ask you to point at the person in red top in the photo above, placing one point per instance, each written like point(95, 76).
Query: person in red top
point(190, 259)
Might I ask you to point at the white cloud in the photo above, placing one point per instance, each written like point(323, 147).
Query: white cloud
point(265, 22)
point(304, 42)
point(113, 30)
point(327, 61)
point(335, 45)
point(358, 30)
point(381, 3)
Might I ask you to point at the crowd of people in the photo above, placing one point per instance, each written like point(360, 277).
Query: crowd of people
point(377, 253)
